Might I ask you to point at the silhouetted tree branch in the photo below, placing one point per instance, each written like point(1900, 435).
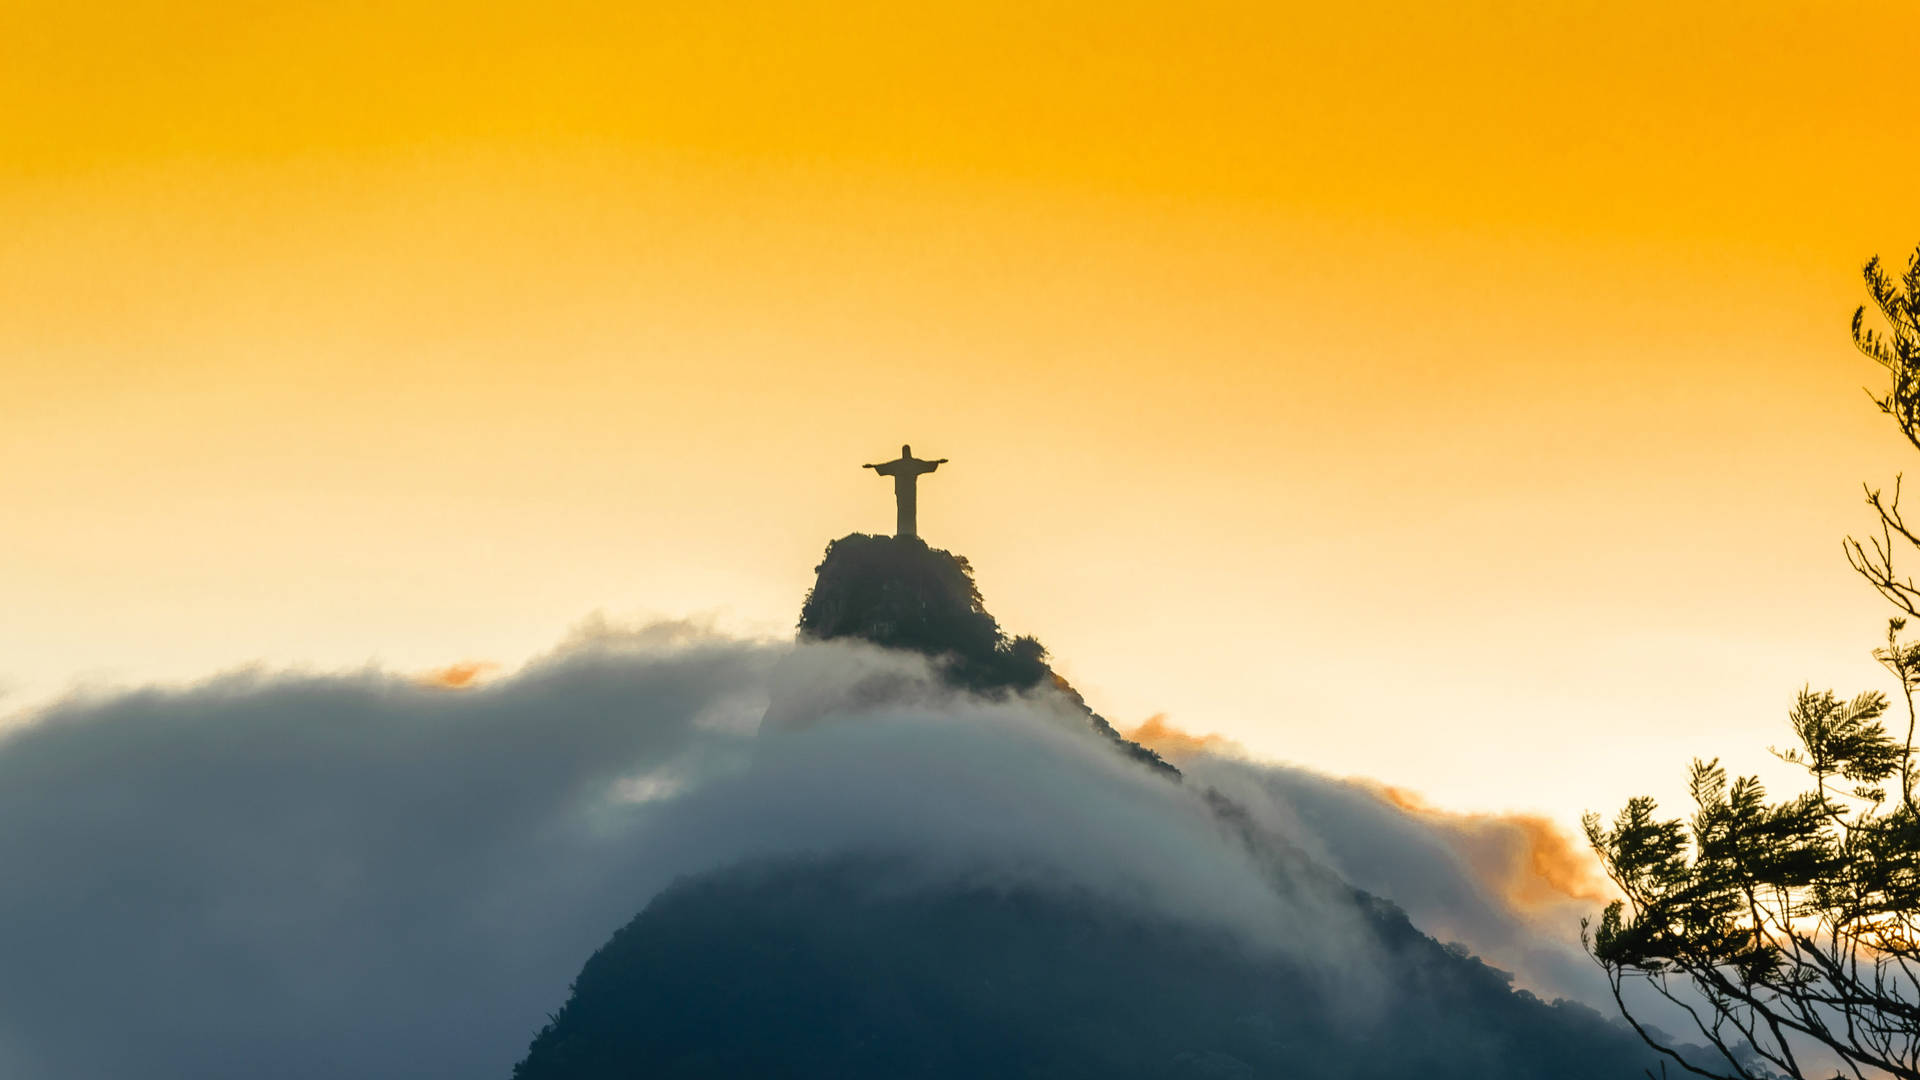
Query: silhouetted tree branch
point(1897, 350)
point(1783, 929)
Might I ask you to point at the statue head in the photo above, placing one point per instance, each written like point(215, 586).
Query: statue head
point(905, 450)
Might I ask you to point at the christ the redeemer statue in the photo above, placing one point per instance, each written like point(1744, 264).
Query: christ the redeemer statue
point(905, 469)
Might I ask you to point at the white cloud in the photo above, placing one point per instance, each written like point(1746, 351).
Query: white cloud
point(358, 876)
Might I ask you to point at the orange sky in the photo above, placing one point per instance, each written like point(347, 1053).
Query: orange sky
point(1456, 394)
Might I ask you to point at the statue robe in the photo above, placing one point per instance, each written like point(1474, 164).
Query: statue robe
point(905, 470)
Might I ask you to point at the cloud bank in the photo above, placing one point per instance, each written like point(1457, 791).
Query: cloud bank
point(368, 876)
point(1509, 888)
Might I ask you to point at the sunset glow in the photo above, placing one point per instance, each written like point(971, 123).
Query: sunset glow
point(1410, 391)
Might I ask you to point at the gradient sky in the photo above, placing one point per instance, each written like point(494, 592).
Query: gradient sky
point(1454, 394)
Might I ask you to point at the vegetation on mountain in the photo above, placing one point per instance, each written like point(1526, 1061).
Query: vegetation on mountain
point(899, 593)
point(854, 968)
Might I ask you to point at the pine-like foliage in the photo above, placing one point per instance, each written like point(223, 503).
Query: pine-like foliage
point(1790, 930)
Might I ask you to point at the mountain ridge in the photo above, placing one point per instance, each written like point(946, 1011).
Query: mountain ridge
point(852, 965)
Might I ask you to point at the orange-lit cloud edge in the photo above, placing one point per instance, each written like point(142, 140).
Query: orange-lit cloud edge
point(1525, 859)
point(337, 310)
point(464, 675)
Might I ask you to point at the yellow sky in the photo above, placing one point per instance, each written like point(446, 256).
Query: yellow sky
point(1410, 390)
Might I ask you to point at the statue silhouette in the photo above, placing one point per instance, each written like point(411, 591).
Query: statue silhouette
point(905, 469)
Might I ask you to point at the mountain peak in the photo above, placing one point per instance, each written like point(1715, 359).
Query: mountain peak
point(900, 593)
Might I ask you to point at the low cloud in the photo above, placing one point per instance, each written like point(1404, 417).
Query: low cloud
point(1525, 858)
point(1510, 887)
point(1172, 742)
point(363, 876)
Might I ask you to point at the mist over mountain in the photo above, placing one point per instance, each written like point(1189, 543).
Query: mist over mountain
point(852, 967)
point(849, 966)
point(310, 876)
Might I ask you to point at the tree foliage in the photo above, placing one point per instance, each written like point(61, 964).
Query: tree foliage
point(1896, 349)
point(1789, 931)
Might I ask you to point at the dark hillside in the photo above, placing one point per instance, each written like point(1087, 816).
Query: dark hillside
point(839, 969)
point(852, 966)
